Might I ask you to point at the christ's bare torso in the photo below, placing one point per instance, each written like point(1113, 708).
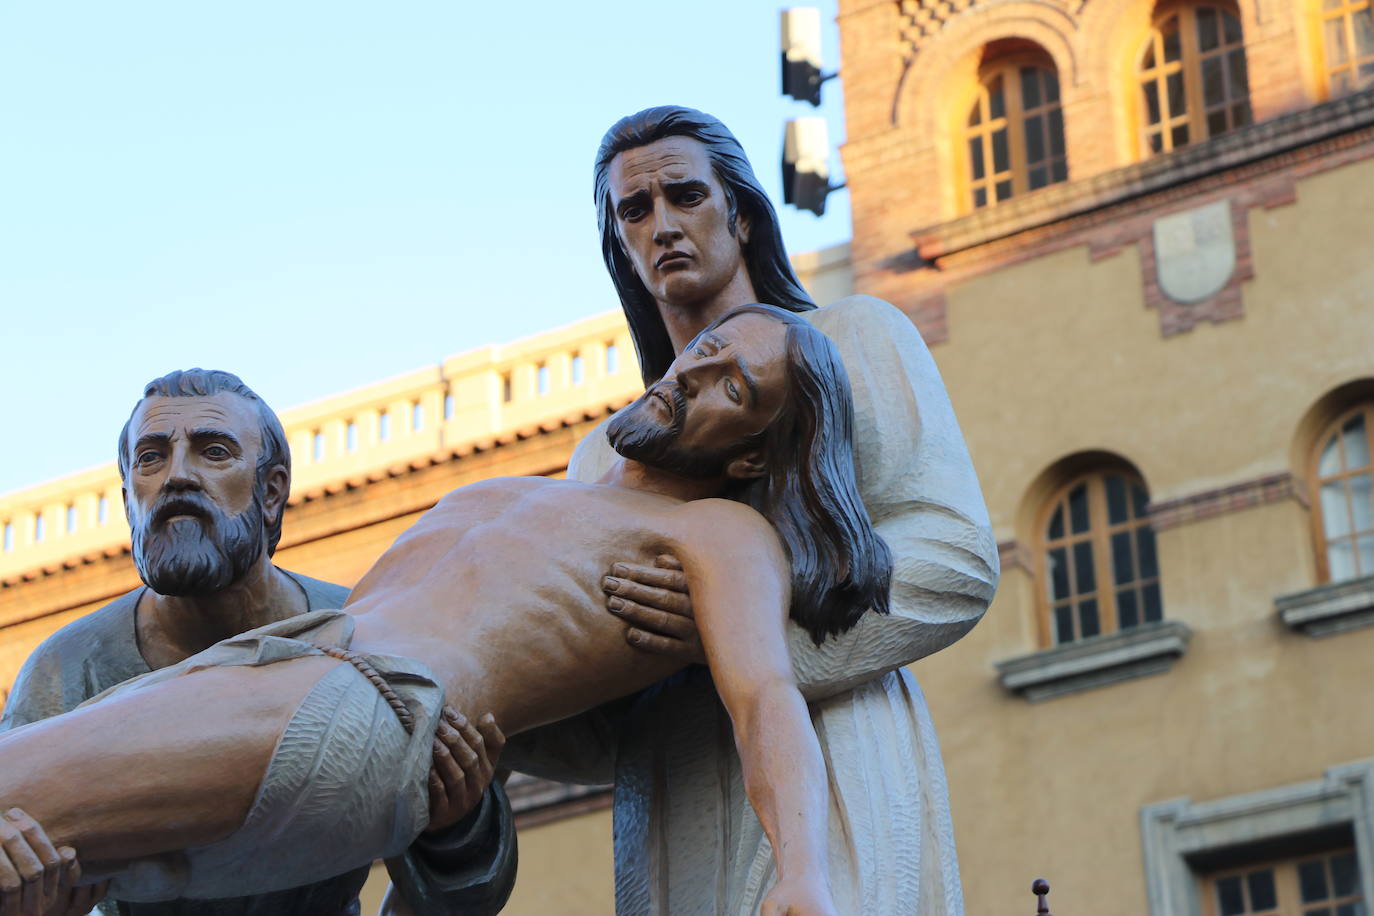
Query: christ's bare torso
point(498, 589)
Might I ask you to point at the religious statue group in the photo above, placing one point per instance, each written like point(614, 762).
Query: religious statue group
point(713, 611)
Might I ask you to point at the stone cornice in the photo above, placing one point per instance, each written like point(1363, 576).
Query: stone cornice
point(1329, 609)
point(1096, 661)
point(1247, 146)
point(1196, 507)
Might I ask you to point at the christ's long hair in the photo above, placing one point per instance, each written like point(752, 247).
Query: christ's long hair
point(841, 566)
point(769, 270)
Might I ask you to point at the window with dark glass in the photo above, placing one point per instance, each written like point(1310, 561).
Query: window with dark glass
point(1343, 485)
point(1100, 569)
point(1322, 885)
point(1348, 40)
point(1193, 77)
point(1015, 132)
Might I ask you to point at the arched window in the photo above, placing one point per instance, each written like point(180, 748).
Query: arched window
point(1015, 131)
point(1098, 561)
point(1348, 40)
point(1344, 516)
point(1193, 77)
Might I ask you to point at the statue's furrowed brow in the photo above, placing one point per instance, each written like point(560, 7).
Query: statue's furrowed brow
point(639, 198)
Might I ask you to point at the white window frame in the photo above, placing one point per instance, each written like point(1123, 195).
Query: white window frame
point(1173, 831)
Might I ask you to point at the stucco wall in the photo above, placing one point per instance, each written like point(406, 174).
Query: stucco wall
point(1059, 354)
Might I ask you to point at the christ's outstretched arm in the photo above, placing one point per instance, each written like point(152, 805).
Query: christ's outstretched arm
point(153, 776)
point(742, 586)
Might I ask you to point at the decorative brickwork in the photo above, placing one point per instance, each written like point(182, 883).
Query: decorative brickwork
point(1175, 317)
point(1015, 554)
point(1257, 167)
point(923, 19)
point(927, 312)
point(909, 68)
point(1196, 507)
point(1308, 142)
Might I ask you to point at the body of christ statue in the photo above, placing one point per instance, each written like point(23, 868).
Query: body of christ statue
point(301, 749)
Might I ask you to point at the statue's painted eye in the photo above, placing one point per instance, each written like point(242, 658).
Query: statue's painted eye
point(732, 390)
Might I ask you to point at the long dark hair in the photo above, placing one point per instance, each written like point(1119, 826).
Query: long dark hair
point(769, 270)
point(841, 566)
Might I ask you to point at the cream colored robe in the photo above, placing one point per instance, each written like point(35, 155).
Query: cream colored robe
point(686, 839)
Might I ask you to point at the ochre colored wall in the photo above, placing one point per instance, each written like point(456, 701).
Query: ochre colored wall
point(1058, 354)
point(565, 868)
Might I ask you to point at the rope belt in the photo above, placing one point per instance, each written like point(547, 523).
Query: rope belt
point(369, 672)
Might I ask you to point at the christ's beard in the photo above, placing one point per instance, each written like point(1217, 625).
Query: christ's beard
point(198, 554)
point(634, 434)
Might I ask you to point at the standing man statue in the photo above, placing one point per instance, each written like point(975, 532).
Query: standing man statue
point(214, 578)
point(688, 234)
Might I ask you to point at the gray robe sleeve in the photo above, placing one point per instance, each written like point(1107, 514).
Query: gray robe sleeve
point(919, 487)
point(75, 663)
point(37, 693)
point(468, 870)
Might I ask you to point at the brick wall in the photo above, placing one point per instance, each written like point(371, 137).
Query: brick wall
point(910, 66)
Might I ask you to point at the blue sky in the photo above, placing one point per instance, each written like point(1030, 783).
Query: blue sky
point(321, 195)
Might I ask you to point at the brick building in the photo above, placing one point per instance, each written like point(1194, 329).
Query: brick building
point(1136, 235)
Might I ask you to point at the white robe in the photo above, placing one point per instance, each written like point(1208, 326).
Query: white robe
point(687, 840)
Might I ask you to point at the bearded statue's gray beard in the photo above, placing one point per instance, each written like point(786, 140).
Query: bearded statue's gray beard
point(635, 434)
point(197, 555)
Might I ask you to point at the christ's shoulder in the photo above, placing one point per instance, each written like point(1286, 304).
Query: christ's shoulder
point(723, 525)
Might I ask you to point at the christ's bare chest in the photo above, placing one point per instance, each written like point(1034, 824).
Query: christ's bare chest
point(516, 602)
